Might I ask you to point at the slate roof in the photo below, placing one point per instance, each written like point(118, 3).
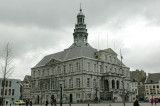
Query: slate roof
point(29, 78)
point(67, 54)
point(153, 77)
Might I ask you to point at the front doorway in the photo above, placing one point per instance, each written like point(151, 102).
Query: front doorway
point(38, 99)
point(70, 98)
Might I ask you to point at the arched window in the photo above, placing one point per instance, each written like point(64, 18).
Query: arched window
point(113, 84)
point(117, 83)
point(106, 85)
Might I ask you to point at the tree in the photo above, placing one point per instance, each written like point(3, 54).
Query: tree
point(6, 61)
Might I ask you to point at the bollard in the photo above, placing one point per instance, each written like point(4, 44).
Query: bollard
point(110, 105)
point(88, 104)
point(70, 104)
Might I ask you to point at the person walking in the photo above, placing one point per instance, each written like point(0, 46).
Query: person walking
point(27, 102)
point(47, 102)
point(155, 101)
point(55, 102)
point(151, 101)
point(52, 102)
point(30, 102)
point(136, 103)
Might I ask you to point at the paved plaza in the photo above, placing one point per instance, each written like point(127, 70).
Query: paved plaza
point(105, 104)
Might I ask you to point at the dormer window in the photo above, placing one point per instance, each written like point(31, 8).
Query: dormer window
point(110, 58)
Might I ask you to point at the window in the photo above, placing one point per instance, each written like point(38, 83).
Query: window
point(89, 96)
point(53, 84)
point(48, 71)
point(9, 93)
point(59, 69)
point(70, 83)
point(2, 83)
point(117, 84)
point(157, 86)
point(1, 91)
point(100, 81)
point(94, 67)
point(43, 72)
point(94, 83)
point(10, 83)
point(146, 86)
point(64, 84)
point(106, 68)
point(78, 82)
point(70, 67)
point(114, 60)
point(153, 86)
point(64, 69)
point(105, 57)
point(113, 84)
point(88, 82)
point(12, 91)
point(53, 68)
point(33, 73)
point(78, 66)
point(5, 91)
point(39, 72)
point(78, 96)
point(110, 58)
point(101, 69)
point(6, 83)
point(88, 66)
point(135, 90)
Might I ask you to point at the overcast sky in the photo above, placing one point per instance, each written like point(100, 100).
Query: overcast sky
point(36, 28)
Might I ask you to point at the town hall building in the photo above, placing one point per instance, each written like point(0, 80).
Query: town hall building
point(84, 73)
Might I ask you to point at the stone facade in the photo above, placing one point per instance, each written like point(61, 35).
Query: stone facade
point(83, 72)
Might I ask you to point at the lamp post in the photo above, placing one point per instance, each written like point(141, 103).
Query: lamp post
point(122, 81)
point(60, 94)
point(152, 92)
point(96, 95)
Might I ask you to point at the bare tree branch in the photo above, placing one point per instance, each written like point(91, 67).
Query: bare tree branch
point(6, 66)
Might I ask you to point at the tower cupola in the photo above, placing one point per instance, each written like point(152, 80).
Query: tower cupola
point(80, 32)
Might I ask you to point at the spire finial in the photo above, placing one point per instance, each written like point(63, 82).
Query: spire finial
point(80, 7)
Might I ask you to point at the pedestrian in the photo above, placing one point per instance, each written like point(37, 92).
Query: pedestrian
point(136, 102)
point(47, 102)
point(52, 101)
point(55, 102)
point(30, 102)
point(155, 101)
point(27, 102)
point(6, 103)
point(151, 101)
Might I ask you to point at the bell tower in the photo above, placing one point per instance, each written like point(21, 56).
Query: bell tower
point(80, 32)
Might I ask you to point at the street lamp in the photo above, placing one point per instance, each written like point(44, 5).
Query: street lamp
point(60, 94)
point(122, 81)
point(152, 92)
point(96, 95)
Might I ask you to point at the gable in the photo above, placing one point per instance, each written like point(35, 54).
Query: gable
point(53, 61)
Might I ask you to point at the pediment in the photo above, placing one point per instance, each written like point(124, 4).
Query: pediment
point(110, 51)
point(53, 61)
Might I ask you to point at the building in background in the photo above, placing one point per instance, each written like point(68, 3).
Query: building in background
point(12, 90)
point(134, 89)
point(152, 85)
point(84, 73)
point(26, 87)
point(140, 77)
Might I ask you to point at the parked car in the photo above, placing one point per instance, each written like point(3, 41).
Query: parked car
point(19, 102)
